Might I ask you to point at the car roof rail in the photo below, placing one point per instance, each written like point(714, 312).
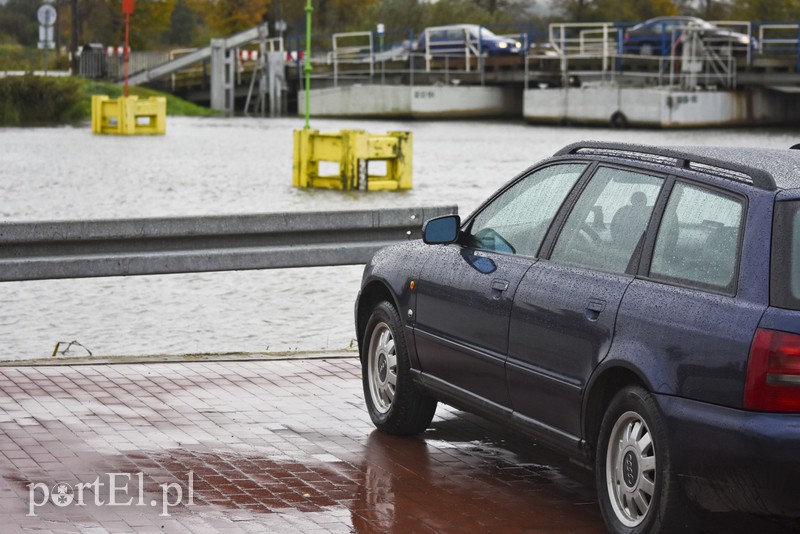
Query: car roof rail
point(674, 157)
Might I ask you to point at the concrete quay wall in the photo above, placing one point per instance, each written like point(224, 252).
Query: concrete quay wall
point(659, 107)
point(599, 104)
point(404, 101)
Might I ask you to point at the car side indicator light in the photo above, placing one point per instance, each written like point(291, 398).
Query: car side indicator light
point(412, 285)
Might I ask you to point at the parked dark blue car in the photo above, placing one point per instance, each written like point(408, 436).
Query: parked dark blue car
point(455, 39)
point(663, 36)
point(635, 307)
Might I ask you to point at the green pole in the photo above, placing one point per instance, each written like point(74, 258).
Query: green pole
point(307, 62)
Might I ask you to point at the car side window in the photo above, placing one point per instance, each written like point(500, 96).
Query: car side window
point(698, 240)
point(516, 221)
point(608, 221)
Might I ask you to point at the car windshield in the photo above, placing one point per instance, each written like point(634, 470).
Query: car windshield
point(674, 23)
point(701, 23)
point(485, 33)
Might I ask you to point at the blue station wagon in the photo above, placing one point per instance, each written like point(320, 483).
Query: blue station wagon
point(454, 39)
point(635, 307)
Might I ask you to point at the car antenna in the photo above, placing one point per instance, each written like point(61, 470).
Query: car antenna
point(795, 147)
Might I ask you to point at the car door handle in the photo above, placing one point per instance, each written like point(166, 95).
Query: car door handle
point(498, 287)
point(593, 308)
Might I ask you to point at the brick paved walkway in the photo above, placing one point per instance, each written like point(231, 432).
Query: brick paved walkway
point(264, 446)
point(278, 446)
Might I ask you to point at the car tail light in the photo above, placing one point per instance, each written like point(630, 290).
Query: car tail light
point(773, 372)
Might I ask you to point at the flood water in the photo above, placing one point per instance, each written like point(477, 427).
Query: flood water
point(237, 166)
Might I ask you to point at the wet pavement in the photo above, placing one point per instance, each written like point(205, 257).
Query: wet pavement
point(263, 446)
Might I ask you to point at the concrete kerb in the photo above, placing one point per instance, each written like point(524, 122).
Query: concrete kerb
point(184, 358)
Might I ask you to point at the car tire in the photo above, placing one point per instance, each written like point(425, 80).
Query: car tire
point(396, 404)
point(636, 487)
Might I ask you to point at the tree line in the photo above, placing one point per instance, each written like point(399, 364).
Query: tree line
point(162, 24)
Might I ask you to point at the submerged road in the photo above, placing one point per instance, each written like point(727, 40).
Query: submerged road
point(275, 446)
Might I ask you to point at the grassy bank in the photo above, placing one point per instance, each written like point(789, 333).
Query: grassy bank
point(35, 100)
point(17, 57)
point(175, 105)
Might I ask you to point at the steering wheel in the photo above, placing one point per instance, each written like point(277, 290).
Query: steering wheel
point(587, 229)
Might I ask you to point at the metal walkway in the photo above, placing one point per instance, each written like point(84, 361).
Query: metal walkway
point(222, 53)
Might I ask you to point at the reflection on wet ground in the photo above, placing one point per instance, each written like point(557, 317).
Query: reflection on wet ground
point(277, 446)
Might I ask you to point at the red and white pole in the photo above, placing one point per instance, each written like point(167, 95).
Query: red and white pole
point(127, 10)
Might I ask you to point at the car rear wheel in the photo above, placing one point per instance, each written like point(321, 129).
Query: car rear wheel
point(395, 403)
point(636, 487)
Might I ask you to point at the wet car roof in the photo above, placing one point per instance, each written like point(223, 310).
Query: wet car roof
point(769, 168)
point(782, 164)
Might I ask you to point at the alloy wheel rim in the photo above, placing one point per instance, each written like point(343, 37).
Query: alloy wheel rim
point(382, 367)
point(631, 469)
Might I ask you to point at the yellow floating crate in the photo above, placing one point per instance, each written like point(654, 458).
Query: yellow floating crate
point(353, 151)
point(129, 115)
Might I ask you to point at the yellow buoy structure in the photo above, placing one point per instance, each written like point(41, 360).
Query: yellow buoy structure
point(365, 161)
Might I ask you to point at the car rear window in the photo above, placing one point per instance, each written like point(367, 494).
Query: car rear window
point(785, 286)
point(698, 240)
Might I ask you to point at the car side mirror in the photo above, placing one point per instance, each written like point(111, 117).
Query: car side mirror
point(441, 230)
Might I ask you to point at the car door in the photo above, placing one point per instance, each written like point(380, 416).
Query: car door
point(465, 290)
point(565, 308)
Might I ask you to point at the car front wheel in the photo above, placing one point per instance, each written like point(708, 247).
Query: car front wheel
point(637, 490)
point(395, 403)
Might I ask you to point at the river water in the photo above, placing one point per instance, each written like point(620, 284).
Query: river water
point(232, 166)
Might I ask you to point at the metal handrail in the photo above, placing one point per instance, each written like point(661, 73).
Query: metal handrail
point(83, 249)
point(234, 41)
point(351, 54)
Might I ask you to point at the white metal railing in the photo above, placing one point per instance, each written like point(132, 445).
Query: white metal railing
point(744, 27)
point(457, 43)
point(573, 38)
point(767, 40)
point(689, 57)
point(598, 50)
point(352, 47)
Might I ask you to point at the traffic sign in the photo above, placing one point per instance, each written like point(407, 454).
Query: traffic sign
point(47, 15)
point(46, 34)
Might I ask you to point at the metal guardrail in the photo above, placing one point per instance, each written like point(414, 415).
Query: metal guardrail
point(85, 249)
